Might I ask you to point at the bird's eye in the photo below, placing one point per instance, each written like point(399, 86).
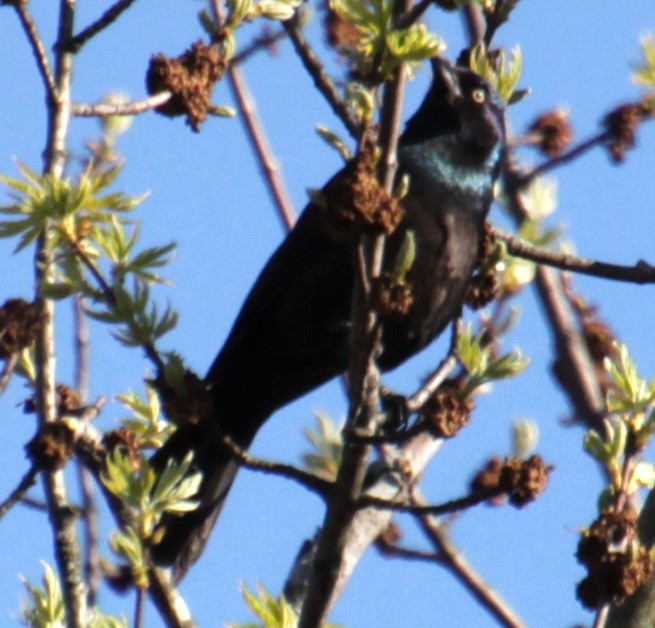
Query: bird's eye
point(478, 95)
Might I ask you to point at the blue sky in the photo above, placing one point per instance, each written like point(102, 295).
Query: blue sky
point(207, 195)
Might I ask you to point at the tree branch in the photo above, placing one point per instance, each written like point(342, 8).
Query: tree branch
point(455, 505)
point(74, 44)
point(578, 373)
point(19, 492)
point(308, 480)
point(102, 110)
point(38, 49)
point(7, 371)
point(453, 560)
point(265, 158)
point(641, 273)
point(321, 79)
point(331, 565)
point(66, 546)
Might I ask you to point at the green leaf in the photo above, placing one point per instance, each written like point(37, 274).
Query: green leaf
point(644, 74)
point(334, 141)
point(45, 607)
point(327, 444)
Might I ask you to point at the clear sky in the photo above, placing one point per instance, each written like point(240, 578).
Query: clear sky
point(207, 195)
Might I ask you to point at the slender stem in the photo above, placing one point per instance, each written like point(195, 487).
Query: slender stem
point(19, 492)
point(451, 558)
point(641, 273)
point(262, 42)
point(139, 607)
point(321, 79)
point(308, 480)
point(121, 109)
point(432, 383)
point(574, 153)
point(74, 44)
point(90, 518)
point(62, 517)
point(267, 162)
point(7, 371)
point(454, 505)
point(39, 50)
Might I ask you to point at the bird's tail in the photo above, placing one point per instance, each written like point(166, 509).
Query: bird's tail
point(180, 539)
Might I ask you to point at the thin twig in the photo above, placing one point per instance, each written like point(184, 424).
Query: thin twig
point(265, 158)
point(413, 15)
point(38, 49)
point(133, 108)
point(454, 505)
point(321, 78)
point(406, 553)
point(90, 518)
point(139, 607)
point(452, 559)
point(568, 156)
point(641, 273)
point(262, 42)
point(308, 480)
point(7, 371)
point(74, 44)
point(577, 373)
point(19, 492)
point(445, 368)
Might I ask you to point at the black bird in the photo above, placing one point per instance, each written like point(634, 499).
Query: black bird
point(292, 333)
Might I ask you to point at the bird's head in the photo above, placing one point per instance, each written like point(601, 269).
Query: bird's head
point(463, 108)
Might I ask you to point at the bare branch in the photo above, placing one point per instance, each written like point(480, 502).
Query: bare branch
point(455, 505)
point(267, 162)
point(321, 79)
point(133, 108)
point(453, 560)
point(38, 49)
point(74, 44)
point(262, 42)
point(432, 383)
point(19, 492)
point(66, 545)
point(641, 273)
point(578, 374)
point(560, 160)
point(7, 371)
point(308, 480)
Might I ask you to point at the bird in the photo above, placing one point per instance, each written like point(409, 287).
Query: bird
point(292, 333)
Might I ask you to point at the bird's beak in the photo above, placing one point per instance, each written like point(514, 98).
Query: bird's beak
point(447, 74)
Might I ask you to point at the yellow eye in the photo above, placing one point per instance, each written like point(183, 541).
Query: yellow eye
point(478, 95)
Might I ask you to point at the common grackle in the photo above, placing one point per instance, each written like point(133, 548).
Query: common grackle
point(292, 333)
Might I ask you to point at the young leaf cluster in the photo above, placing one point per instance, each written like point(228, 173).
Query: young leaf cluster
point(84, 226)
point(382, 47)
point(644, 74)
point(272, 612)
point(479, 359)
point(45, 606)
point(141, 322)
point(630, 401)
point(148, 496)
point(327, 448)
point(502, 74)
point(148, 425)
